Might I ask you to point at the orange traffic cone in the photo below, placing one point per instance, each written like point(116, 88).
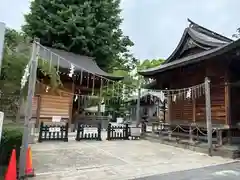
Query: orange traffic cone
point(11, 173)
point(29, 171)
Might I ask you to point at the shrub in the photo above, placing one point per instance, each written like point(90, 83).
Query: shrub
point(11, 138)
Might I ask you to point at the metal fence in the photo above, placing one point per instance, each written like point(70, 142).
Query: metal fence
point(88, 132)
point(53, 132)
point(118, 132)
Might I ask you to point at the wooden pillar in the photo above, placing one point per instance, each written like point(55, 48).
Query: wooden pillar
point(227, 103)
point(38, 110)
point(194, 110)
point(71, 104)
point(169, 104)
point(208, 114)
point(79, 103)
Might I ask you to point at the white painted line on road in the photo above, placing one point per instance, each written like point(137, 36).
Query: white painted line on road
point(70, 170)
point(108, 153)
point(226, 173)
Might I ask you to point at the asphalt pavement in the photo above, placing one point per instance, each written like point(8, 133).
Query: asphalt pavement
point(230, 171)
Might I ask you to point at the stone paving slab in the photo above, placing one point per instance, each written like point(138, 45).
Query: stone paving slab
point(113, 160)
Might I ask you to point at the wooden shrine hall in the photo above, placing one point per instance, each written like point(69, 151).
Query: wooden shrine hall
point(151, 106)
point(202, 53)
point(85, 82)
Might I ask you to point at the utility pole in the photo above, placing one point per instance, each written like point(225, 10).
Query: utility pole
point(2, 35)
point(28, 111)
point(208, 114)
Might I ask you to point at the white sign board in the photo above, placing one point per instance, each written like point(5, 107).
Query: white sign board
point(56, 119)
point(149, 128)
point(54, 129)
point(1, 123)
point(135, 131)
point(118, 130)
point(119, 120)
point(90, 130)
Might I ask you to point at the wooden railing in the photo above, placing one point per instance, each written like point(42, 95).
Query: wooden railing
point(192, 131)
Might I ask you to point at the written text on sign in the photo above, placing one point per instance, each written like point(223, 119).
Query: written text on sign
point(54, 129)
point(90, 130)
point(119, 130)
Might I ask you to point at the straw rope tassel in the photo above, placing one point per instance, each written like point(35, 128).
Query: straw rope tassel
point(101, 86)
point(88, 80)
point(93, 85)
point(81, 78)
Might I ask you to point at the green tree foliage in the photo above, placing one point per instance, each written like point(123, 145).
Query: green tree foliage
point(130, 83)
point(16, 55)
point(116, 94)
point(89, 28)
point(146, 64)
point(237, 34)
point(15, 59)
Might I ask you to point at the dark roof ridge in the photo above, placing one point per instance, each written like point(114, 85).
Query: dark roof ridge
point(192, 58)
point(208, 31)
point(64, 59)
point(180, 43)
point(205, 41)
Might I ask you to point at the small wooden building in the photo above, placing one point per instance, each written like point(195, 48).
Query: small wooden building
point(62, 101)
point(202, 53)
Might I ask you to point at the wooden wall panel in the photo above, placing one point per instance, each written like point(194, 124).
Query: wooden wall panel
point(187, 113)
point(200, 109)
point(55, 106)
point(218, 104)
point(35, 106)
point(183, 110)
point(176, 110)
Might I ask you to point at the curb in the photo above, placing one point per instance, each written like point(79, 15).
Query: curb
point(233, 154)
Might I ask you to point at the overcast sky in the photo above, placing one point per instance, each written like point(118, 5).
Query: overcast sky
point(155, 26)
